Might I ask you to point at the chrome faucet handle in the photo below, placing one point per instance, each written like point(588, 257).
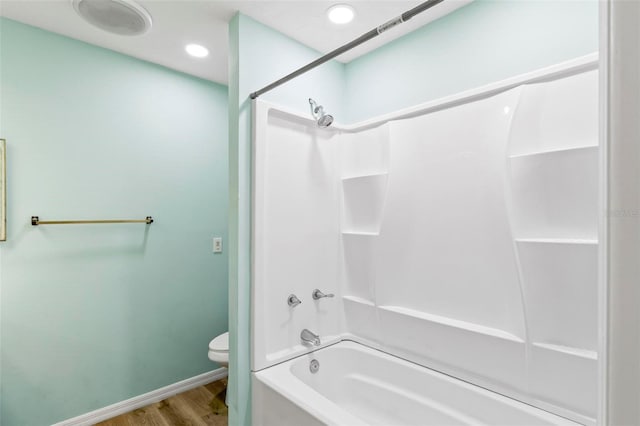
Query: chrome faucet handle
point(293, 300)
point(317, 294)
point(309, 338)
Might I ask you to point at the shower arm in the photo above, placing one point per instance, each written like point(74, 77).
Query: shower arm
point(314, 108)
point(339, 51)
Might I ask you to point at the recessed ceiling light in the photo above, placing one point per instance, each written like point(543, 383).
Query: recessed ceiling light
point(196, 50)
point(340, 14)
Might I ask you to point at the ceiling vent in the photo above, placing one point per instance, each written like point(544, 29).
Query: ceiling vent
point(123, 17)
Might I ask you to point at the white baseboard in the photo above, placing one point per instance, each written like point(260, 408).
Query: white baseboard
point(139, 401)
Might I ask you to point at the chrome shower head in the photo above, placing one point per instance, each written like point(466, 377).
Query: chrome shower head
point(317, 111)
point(325, 120)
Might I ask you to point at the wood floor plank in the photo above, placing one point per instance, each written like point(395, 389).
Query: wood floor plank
point(147, 416)
point(177, 413)
point(199, 399)
point(216, 387)
point(216, 420)
point(219, 390)
point(116, 421)
point(203, 406)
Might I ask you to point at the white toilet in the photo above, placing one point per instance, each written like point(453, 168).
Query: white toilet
point(219, 349)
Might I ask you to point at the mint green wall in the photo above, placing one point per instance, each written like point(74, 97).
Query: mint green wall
point(486, 41)
point(258, 56)
point(95, 314)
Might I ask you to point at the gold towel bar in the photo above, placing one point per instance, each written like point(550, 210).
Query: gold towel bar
point(35, 221)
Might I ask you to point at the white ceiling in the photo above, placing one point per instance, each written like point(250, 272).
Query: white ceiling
point(178, 22)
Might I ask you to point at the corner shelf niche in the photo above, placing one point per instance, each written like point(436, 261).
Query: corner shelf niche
point(555, 211)
point(560, 114)
point(555, 194)
point(363, 203)
point(358, 265)
point(561, 288)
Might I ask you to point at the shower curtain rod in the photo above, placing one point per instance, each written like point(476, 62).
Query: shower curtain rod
point(339, 51)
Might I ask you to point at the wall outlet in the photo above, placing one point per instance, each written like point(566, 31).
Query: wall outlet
point(217, 244)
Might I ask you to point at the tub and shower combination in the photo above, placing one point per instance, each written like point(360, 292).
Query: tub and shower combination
point(462, 259)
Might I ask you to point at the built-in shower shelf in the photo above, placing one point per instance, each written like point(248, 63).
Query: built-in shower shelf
point(582, 353)
point(361, 234)
point(365, 176)
point(451, 322)
point(557, 241)
point(359, 300)
point(364, 198)
point(554, 151)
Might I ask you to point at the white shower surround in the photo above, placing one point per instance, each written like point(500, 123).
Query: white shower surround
point(381, 213)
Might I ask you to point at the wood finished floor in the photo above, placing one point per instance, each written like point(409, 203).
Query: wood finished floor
point(203, 406)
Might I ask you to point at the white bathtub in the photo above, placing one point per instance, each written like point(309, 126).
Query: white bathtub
point(357, 385)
